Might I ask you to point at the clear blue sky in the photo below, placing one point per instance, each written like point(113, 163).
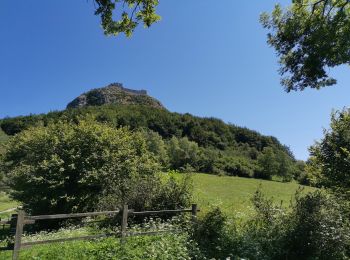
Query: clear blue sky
point(208, 58)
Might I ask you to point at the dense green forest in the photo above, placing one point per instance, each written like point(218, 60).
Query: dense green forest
point(3, 138)
point(184, 142)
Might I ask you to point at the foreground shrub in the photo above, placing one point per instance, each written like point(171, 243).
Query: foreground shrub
point(314, 228)
point(167, 247)
point(216, 238)
point(65, 168)
point(176, 245)
point(317, 228)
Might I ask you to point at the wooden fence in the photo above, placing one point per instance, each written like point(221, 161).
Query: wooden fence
point(18, 221)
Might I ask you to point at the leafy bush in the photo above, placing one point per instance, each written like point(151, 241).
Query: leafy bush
point(316, 227)
point(157, 146)
point(215, 238)
point(236, 166)
point(65, 168)
point(183, 153)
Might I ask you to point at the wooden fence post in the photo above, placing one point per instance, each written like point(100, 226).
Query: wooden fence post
point(124, 223)
point(18, 236)
point(194, 212)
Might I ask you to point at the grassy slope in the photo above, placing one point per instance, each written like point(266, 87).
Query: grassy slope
point(6, 203)
point(233, 194)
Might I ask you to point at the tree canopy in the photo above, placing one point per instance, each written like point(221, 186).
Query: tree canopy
point(122, 16)
point(310, 36)
point(331, 155)
point(68, 167)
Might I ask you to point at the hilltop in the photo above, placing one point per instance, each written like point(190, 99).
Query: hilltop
point(181, 141)
point(114, 93)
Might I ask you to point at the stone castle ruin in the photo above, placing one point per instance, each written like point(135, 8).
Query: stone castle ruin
point(131, 91)
point(114, 93)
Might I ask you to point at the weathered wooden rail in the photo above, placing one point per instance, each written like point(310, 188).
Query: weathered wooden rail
point(18, 221)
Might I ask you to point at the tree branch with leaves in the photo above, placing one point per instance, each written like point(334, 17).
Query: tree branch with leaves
point(310, 37)
point(123, 16)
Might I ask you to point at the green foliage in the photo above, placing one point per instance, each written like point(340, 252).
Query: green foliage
point(215, 239)
point(170, 246)
point(12, 126)
point(330, 158)
point(276, 163)
point(183, 153)
point(309, 37)
point(3, 140)
point(318, 223)
point(206, 132)
point(236, 166)
point(181, 141)
point(132, 12)
point(267, 163)
point(75, 167)
point(157, 146)
point(314, 228)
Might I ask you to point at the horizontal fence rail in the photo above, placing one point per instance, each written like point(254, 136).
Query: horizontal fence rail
point(76, 215)
point(18, 221)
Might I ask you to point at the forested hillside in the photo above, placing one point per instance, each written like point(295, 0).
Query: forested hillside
point(182, 141)
point(3, 138)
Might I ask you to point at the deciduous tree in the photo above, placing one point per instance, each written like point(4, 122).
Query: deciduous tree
point(310, 36)
point(331, 155)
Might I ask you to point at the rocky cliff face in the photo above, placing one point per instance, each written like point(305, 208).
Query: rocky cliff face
point(114, 93)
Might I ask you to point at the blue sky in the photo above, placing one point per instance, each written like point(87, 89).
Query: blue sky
point(208, 58)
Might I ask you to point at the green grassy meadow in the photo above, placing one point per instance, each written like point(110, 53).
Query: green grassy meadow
point(233, 194)
point(5, 204)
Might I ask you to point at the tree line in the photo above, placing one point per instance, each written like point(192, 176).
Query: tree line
point(184, 142)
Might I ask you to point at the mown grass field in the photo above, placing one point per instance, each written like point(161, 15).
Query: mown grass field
point(233, 194)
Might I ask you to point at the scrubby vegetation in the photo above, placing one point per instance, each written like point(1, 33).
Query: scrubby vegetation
point(314, 228)
point(167, 246)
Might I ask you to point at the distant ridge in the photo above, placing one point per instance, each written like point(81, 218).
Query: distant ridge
point(114, 93)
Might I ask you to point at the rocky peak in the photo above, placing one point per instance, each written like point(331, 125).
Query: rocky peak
point(114, 93)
